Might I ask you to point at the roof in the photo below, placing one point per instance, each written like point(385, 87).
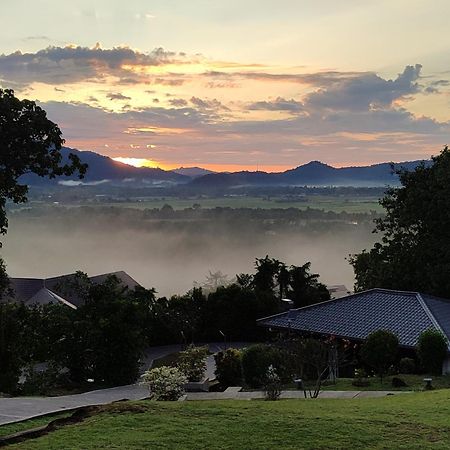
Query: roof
point(407, 314)
point(42, 291)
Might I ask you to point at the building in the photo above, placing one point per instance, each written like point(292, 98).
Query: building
point(354, 317)
point(41, 291)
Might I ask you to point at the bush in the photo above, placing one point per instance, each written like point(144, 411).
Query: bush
point(432, 350)
point(379, 351)
point(398, 382)
point(165, 383)
point(192, 362)
point(407, 365)
point(229, 367)
point(360, 379)
point(272, 384)
point(256, 360)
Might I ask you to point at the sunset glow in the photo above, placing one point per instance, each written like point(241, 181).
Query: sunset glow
point(269, 90)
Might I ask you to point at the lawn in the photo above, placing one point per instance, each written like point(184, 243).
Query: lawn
point(414, 382)
point(409, 421)
point(12, 428)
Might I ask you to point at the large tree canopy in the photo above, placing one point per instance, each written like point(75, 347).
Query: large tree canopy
point(29, 143)
point(414, 252)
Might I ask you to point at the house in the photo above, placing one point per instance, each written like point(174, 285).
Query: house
point(32, 291)
point(354, 317)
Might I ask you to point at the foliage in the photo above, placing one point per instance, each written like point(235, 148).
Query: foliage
point(360, 379)
point(432, 350)
point(165, 383)
point(379, 351)
point(256, 360)
point(12, 345)
point(272, 384)
point(39, 382)
point(29, 143)
point(233, 310)
point(192, 362)
point(294, 282)
point(414, 250)
point(407, 365)
point(229, 367)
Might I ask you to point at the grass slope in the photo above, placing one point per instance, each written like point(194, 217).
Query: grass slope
point(409, 421)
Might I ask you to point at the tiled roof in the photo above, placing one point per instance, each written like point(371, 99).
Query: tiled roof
point(42, 291)
point(407, 314)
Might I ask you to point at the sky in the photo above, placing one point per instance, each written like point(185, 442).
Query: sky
point(236, 85)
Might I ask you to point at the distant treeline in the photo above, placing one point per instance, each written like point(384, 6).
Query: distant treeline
point(189, 191)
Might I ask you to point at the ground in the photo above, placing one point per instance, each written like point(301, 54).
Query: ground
point(350, 204)
point(410, 421)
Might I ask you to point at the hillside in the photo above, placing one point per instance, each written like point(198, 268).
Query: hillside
point(103, 169)
point(313, 173)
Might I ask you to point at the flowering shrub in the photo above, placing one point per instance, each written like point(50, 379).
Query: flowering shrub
point(272, 384)
point(192, 362)
point(165, 383)
point(229, 367)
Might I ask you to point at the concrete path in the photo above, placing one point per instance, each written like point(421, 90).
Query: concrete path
point(17, 409)
point(234, 393)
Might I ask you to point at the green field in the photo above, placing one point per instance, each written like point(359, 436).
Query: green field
point(409, 421)
point(328, 203)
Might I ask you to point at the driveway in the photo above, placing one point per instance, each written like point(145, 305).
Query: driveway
point(21, 408)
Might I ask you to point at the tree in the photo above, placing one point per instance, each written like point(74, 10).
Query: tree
point(379, 351)
point(305, 288)
point(414, 252)
point(432, 348)
point(29, 143)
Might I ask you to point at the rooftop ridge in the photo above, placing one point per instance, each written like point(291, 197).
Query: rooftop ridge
point(340, 299)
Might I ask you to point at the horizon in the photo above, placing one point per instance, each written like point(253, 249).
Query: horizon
point(119, 82)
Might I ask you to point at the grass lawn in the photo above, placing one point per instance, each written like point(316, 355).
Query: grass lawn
point(414, 382)
point(12, 428)
point(409, 421)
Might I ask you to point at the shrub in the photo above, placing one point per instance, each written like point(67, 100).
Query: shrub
point(432, 350)
point(379, 351)
point(272, 384)
point(398, 382)
point(165, 383)
point(360, 379)
point(192, 362)
point(256, 359)
point(407, 365)
point(229, 367)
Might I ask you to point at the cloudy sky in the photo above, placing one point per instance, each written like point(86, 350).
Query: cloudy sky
point(236, 84)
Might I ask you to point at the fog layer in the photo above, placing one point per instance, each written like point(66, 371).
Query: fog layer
point(170, 256)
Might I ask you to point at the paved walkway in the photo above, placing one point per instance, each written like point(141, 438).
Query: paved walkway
point(234, 393)
point(17, 409)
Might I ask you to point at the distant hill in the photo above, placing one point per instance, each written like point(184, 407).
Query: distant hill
point(192, 172)
point(103, 169)
point(314, 173)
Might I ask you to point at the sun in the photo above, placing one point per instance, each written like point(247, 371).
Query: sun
point(136, 162)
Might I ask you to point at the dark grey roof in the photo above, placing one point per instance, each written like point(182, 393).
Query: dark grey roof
point(407, 314)
point(43, 291)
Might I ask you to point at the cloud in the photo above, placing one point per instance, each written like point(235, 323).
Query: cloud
point(71, 64)
point(207, 104)
point(37, 38)
point(178, 102)
point(367, 91)
point(279, 104)
point(117, 96)
point(168, 81)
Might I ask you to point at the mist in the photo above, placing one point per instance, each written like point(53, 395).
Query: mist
point(170, 257)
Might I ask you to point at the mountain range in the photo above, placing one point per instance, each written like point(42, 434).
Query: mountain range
point(103, 169)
